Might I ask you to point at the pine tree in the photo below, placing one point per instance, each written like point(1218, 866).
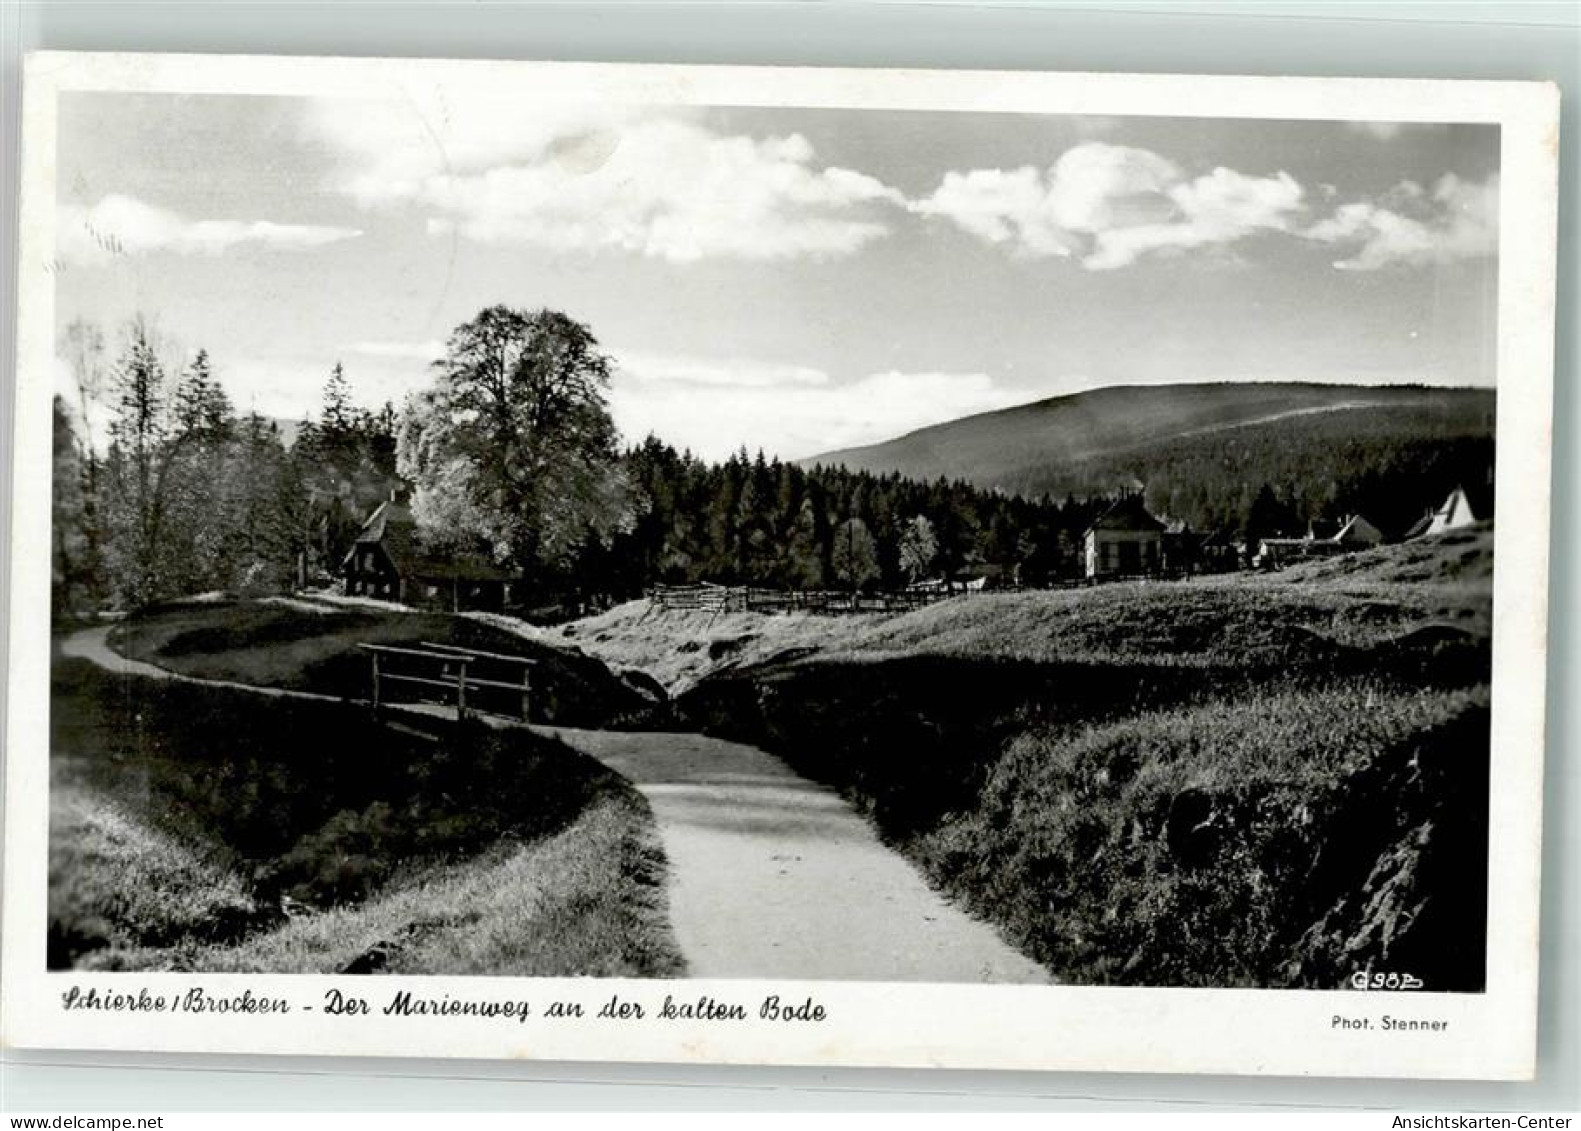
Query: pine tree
point(135, 509)
point(202, 409)
point(338, 418)
point(196, 478)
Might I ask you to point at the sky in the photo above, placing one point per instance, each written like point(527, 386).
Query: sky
point(787, 279)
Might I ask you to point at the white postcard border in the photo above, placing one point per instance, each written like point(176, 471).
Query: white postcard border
point(1286, 1032)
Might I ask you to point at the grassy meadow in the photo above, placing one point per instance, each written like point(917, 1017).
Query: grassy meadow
point(1252, 780)
point(210, 828)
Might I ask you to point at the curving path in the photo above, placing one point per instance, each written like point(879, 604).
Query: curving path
point(774, 876)
point(770, 875)
point(94, 644)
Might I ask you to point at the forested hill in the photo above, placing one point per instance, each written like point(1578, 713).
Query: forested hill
point(1203, 450)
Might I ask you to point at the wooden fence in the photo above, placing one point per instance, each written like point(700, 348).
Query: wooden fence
point(444, 673)
point(718, 599)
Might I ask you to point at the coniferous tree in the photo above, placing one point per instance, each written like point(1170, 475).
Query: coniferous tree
point(135, 508)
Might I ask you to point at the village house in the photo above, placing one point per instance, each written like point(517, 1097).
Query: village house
point(1124, 541)
point(387, 561)
point(1357, 534)
point(1220, 551)
point(1452, 514)
point(1354, 533)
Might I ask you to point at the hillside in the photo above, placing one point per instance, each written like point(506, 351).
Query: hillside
point(1252, 780)
point(216, 828)
point(1203, 449)
point(1362, 600)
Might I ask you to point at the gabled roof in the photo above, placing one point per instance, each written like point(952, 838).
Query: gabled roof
point(1456, 506)
point(1419, 527)
point(392, 528)
point(385, 516)
point(1358, 529)
point(1127, 513)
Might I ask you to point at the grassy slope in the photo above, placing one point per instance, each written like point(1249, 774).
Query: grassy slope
point(586, 901)
point(232, 810)
point(1290, 837)
point(1357, 601)
point(1268, 780)
point(308, 647)
point(118, 883)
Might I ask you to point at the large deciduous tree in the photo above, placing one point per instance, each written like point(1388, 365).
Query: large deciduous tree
point(514, 447)
point(854, 557)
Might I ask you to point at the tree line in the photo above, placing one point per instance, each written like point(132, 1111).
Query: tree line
point(753, 520)
point(176, 492)
point(510, 455)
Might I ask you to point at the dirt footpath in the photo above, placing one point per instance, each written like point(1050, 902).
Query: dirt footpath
point(94, 644)
point(772, 876)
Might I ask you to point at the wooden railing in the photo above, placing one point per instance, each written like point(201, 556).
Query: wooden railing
point(449, 670)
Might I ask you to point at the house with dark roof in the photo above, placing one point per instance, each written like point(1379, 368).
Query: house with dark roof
point(1124, 541)
point(388, 561)
point(1357, 534)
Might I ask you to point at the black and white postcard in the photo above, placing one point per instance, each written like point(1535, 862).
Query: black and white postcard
point(791, 566)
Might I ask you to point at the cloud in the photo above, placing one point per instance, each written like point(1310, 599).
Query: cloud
point(1218, 208)
point(1000, 207)
point(789, 410)
point(572, 179)
point(1413, 227)
point(653, 368)
point(1110, 205)
point(122, 226)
